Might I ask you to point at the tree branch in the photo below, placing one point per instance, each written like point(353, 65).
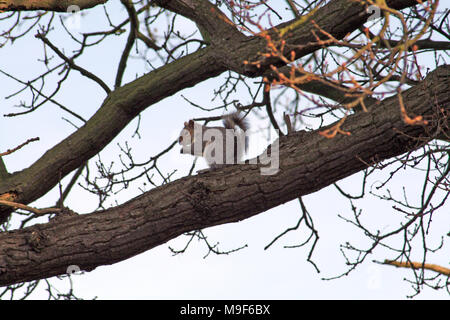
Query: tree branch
point(38, 212)
point(134, 30)
point(208, 17)
point(418, 265)
point(325, 88)
point(72, 64)
point(126, 102)
point(298, 36)
point(9, 151)
point(308, 162)
point(59, 6)
point(267, 101)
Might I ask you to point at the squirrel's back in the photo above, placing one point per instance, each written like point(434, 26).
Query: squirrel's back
point(234, 119)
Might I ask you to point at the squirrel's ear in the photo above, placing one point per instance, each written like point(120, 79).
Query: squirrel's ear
point(185, 124)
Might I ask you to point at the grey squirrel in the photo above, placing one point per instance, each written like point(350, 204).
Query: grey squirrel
point(220, 146)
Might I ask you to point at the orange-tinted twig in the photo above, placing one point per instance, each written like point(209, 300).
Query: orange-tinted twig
point(9, 151)
point(418, 265)
point(416, 120)
point(17, 205)
point(334, 130)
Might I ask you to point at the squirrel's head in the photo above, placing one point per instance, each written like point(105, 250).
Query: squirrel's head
point(187, 133)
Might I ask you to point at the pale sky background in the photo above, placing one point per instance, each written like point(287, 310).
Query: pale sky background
point(251, 273)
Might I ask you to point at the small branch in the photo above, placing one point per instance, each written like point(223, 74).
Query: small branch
point(148, 42)
point(287, 120)
point(293, 8)
point(71, 64)
point(310, 225)
point(269, 109)
point(36, 211)
point(9, 151)
point(418, 265)
point(335, 91)
point(421, 44)
point(212, 23)
point(74, 179)
point(134, 31)
point(211, 248)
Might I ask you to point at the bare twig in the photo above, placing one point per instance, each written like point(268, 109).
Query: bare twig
point(418, 265)
point(9, 151)
point(36, 211)
point(70, 62)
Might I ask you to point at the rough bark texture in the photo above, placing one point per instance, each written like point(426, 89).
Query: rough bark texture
point(49, 5)
point(308, 162)
point(118, 109)
point(124, 103)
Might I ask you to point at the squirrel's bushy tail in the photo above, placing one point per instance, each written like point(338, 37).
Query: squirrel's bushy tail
point(234, 119)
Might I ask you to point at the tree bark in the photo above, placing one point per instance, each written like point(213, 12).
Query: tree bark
point(48, 5)
point(308, 162)
point(122, 105)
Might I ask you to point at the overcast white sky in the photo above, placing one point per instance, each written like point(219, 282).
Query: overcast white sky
point(251, 273)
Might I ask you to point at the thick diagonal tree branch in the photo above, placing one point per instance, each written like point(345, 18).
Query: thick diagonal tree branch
point(48, 5)
point(123, 104)
point(214, 25)
point(308, 162)
point(118, 109)
point(299, 37)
